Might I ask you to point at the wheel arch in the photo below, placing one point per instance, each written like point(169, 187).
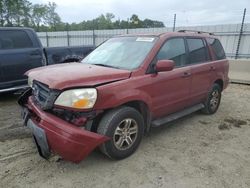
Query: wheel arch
point(143, 109)
point(220, 83)
point(139, 105)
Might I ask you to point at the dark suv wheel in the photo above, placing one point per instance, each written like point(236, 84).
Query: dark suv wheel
point(213, 100)
point(125, 127)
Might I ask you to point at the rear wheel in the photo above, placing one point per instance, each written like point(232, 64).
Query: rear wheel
point(125, 127)
point(213, 100)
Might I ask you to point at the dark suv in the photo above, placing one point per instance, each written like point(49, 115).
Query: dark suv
point(125, 86)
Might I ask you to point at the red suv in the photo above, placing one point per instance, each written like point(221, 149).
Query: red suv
point(119, 91)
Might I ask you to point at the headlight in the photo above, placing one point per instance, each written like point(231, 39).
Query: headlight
point(77, 98)
point(30, 81)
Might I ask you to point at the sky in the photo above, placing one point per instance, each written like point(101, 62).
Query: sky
point(188, 12)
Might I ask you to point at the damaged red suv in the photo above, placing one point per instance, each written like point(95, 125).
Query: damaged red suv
point(119, 91)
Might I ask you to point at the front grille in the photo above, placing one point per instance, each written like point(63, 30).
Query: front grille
point(43, 95)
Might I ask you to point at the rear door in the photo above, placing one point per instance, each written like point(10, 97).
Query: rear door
point(18, 55)
point(201, 69)
point(170, 90)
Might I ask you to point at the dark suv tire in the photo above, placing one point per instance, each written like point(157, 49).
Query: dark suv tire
point(124, 125)
point(213, 100)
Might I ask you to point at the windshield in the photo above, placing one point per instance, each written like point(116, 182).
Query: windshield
point(121, 52)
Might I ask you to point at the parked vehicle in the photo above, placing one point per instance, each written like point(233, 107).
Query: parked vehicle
point(123, 88)
point(21, 50)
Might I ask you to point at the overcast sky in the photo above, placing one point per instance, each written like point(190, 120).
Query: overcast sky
point(192, 12)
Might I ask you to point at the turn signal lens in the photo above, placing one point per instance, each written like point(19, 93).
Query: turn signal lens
point(82, 103)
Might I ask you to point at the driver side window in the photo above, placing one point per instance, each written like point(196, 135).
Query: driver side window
point(173, 49)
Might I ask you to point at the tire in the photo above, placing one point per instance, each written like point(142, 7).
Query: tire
point(119, 124)
point(213, 100)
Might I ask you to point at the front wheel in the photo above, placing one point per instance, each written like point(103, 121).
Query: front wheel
point(213, 100)
point(125, 127)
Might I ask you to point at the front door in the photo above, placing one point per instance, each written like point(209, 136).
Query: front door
point(171, 89)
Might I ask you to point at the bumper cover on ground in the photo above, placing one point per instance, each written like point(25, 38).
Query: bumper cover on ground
point(70, 142)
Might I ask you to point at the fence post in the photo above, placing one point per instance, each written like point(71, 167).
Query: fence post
point(67, 27)
point(47, 39)
point(240, 35)
point(174, 22)
point(94, 37)
point(68, 38)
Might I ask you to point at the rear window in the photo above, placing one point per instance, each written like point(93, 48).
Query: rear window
point(197, 51)
point(217, 48)
point(14, 40)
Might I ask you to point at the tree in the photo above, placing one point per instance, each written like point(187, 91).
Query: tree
point(2, 12)
point(135, 22)
point(43, 17)
point(109, 17)
point(104, 21)
point(9, 11)
point(39, 13)
point(15, 12)
point(147, 23)
point(52, 18)
point(26, 13)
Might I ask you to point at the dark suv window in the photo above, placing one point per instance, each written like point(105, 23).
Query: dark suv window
point(173, 49)
point(197, 51)
point(14, 40)
point(217, 48)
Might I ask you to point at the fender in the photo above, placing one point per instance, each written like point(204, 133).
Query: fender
point(221, 73)
point(113, 95)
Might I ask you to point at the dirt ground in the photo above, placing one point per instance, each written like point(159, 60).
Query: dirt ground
point(196, 151)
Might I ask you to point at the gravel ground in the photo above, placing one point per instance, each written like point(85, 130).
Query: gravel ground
point(195, 151)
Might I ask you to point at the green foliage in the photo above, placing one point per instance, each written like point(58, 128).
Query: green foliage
point(38, 15)
point(14, 12)
point(43, 17)
point(52, 19)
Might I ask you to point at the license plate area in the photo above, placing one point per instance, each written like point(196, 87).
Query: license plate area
point(40, 139)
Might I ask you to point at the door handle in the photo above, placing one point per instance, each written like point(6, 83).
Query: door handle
point(212, 68)
point(186, 74)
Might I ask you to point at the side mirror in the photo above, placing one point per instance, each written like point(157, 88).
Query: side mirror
point(164, 65)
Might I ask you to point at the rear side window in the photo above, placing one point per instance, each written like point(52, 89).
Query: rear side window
point(14, 40)
point(173, 49)
point(197, 51)
point(217, 48)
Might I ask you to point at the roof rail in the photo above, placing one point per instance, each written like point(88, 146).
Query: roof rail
point(194, 31)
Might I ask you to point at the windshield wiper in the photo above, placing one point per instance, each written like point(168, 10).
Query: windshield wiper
point(104, 65)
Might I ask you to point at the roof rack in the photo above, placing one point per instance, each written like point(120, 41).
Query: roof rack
point(194, 31)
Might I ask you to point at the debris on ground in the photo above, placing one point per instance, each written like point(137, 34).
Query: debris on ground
point(230, 121)
point(224, 125)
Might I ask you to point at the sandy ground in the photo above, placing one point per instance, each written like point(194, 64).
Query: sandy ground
point(196, 151)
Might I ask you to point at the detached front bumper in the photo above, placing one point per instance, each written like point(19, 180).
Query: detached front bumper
point(70, 142)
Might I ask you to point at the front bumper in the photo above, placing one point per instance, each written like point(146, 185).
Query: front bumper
point(70, 142)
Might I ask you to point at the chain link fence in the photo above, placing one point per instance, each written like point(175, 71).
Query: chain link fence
point(229, 35)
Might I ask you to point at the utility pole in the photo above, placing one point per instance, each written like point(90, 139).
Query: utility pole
point(240, 34)
point(174, 22)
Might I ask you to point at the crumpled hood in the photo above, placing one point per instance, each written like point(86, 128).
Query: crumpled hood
point(70, 75)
